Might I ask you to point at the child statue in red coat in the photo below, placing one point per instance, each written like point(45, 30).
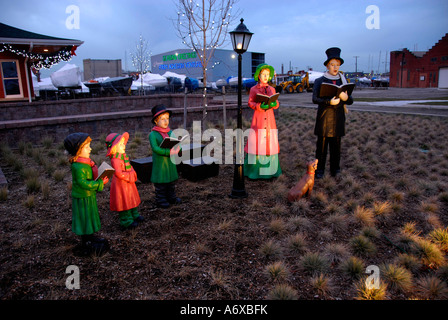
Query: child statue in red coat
point(124, 196)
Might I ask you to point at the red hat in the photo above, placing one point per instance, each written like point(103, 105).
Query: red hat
point(113, 139)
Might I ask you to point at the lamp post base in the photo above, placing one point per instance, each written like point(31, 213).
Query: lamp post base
point(238, 189)
point(238, 194)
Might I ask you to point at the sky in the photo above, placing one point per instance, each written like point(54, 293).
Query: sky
point(292, 33)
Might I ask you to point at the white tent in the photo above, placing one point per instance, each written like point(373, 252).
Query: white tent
point(153, 79)
point(68, 76)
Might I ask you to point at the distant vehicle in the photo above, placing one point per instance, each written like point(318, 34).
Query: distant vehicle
point(293, 83)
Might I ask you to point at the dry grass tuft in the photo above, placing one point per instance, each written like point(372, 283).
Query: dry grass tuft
point(432, 288)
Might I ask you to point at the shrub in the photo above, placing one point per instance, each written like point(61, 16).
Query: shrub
point(277, 271)
point(297, 243)
point(440, 237)
point(337, 222)
point(32, 184)
point(429, 253)
point(362, 246)
point(314, 263)
point(409, 261)
point(277, 225)
point(336, 252)
point(367, 292)
point(283, 292)
point(431, 287)
point(29, 202)
point(364, 216)
point(382, 209)
point(322, 284)
point(59, 175)
point(397, 278)
point(271, 249)
point(353, 267)
point(301, 223)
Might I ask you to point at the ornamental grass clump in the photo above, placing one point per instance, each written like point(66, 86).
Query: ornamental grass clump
point(282, 292)
point(322, 284)
point(336, 252)
point(271, 249)
point(300, 223)
point(32, 184)
point(337, 222)
point(277, 225)
point(409, 261)
point(430, 254)
point(277, 271)
point(369, 291)
point(440, 237)
point(432, 288)
point(396, 277)
point(364, 216)
point(297, 243)
point(352, 267)
point(362, 246)
point(314, 263)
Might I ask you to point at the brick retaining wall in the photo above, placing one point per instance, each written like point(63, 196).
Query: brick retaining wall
point(23, 121)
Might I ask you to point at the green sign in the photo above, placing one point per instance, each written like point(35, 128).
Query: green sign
point(180, 56)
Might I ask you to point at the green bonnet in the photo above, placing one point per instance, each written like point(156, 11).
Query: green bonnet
point(261, 67)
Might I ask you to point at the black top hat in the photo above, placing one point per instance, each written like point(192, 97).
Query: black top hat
point(333, 53)
point(73, 141)
point(158, 110)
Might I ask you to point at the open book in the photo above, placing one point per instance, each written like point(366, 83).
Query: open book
point(105, 170)
point(260, 98)
point(332, 90)
point(170, 142)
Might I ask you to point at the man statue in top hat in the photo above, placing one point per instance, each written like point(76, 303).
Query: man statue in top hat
point(330, 119)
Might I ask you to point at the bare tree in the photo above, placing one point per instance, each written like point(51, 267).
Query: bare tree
point(203, 26)
point(141, 59)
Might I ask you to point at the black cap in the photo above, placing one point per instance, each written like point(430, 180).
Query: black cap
point(158, 110)
point(73, 141)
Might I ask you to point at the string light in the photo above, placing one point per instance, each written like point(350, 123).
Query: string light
point(41, 61)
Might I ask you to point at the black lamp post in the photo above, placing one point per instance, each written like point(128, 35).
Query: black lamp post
point(240, 41)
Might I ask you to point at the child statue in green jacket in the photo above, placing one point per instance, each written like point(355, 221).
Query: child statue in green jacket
point(85, 216)
point(164, 171)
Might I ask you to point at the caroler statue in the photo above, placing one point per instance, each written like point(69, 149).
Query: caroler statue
point(85, 216)
point(261, 159)
point(330, 119)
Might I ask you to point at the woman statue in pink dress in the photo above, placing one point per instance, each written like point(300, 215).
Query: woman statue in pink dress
point(261, 151)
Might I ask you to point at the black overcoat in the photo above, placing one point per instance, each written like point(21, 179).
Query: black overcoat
point(330, 120)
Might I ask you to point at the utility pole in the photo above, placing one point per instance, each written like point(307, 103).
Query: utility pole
point(356, 63)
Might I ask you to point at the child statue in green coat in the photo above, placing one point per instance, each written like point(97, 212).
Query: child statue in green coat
point(164, 171)
point(85, 216)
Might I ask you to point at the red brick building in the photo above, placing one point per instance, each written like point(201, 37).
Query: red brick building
point(22, 50)
point(420, 69)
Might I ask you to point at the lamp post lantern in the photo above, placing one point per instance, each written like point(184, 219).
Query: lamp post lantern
point(240, 41)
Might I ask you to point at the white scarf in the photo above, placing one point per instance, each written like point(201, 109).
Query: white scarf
point(336, 77)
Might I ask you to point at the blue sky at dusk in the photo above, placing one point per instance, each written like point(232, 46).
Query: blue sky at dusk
point(293, 33)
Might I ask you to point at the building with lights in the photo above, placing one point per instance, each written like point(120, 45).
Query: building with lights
point(223, 64)
point(20, 52)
